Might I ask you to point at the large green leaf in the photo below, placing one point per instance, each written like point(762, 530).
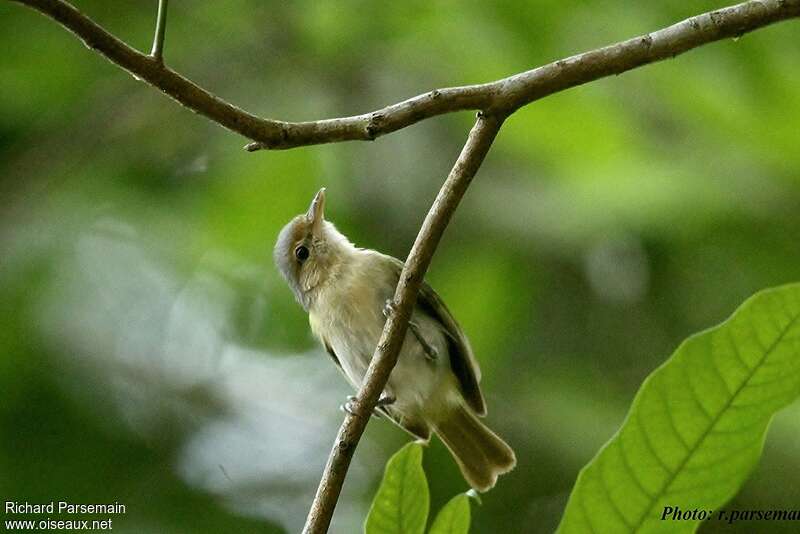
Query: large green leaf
point(401, 504)
point(453, 518)
point(696, 427)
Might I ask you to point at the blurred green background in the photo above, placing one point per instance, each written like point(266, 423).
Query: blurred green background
point(150, 354)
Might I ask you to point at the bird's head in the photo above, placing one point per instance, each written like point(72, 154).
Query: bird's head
point(310, 251)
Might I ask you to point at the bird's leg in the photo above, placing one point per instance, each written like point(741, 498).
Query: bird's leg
point(431, 352)
point(384, 400)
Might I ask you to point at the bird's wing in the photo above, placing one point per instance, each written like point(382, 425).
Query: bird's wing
point(332, 354)
point(416, 427)
point(462, 359)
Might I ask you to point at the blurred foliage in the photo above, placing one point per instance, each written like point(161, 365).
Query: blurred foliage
point(150, 354)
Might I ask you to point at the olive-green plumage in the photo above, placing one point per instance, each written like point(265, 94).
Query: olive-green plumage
point(435, 384)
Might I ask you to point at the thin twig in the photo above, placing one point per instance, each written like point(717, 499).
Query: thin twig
point(383, 361)
point(502, 96)
point(157, 52)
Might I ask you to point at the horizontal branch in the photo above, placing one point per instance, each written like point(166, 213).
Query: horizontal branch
point(502, 96)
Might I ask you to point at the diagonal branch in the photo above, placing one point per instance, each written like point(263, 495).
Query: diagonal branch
point(503, 96)
point(383, 361)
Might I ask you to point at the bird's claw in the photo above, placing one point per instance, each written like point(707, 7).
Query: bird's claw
point(431, 352)
point(388, 308)
point(350, 404)
point(385, 400)
point(348, 407)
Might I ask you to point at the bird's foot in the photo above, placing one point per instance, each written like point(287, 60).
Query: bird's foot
point(431, 352)
point(388, 308)
point(385, 400)
point(350, 404)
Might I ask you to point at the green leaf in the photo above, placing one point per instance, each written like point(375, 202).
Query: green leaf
point(401, 504)
point(696, 428)
point(453, 518)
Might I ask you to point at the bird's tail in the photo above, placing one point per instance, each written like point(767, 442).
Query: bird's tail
point(479, 452)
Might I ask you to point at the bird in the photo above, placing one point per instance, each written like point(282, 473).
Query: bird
point(434, 388)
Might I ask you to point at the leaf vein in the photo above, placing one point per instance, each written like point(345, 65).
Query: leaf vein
point(662, 394)
point(728, 404)
point(693, 391)
point(649, 444)
point(628, 467)
point(607, 494)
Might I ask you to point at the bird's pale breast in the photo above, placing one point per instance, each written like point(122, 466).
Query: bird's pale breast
point(349, 318)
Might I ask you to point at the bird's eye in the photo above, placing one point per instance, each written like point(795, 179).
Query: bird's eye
point(301, 253)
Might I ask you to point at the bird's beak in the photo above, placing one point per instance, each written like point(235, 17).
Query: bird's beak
point(316, 211)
